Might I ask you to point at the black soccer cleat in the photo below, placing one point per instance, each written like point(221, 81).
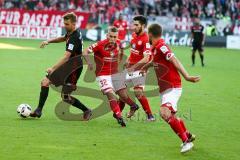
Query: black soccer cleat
point(191, 137)
point(121, 122)
point(37, 113)
point(87, 115)
point(115, 116)
point(150, 118)
point(133, 109)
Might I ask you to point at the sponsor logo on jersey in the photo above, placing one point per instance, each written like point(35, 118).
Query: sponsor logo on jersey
point(109, 59)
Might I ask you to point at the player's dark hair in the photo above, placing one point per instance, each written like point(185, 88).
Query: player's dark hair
point(155, 30)
point(112, 29)
point(70, 16)
point(142, 19)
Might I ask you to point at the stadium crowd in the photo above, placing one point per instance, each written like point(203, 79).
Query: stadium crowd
point(180, 8)
point(105, 11)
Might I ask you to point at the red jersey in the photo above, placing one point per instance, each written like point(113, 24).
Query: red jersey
point(105, 57)
point(167, 75)
point(122, 28)
point(139, 46)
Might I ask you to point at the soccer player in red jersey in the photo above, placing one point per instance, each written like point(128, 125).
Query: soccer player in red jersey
point(122, 26)
point(167, 68)
point(106, 57)
point(139, 53)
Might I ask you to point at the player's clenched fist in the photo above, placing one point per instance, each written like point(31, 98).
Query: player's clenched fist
point(192, 78)
point(43, 44)
point(49, 70)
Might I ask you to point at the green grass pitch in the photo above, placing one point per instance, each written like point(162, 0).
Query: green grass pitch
point(210, 108)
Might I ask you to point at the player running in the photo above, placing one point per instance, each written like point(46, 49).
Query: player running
point(74, 46)
point(122, 26)
point(198, 39)
point(139, 53)
point(167, 68)
point(106, 57)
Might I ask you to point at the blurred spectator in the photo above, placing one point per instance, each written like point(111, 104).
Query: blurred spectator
point(227, 30)
point(211, 30)
point(105, 11)
point(180, 8)
point(236, 28)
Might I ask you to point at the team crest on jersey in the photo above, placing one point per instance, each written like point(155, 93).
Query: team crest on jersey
point(70, 46)
point(139, 42)
point(169, 55)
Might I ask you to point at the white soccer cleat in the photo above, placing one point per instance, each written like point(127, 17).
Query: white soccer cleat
point(191, 139)
point(187, 146)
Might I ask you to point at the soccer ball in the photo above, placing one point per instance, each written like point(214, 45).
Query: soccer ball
point(24, 110)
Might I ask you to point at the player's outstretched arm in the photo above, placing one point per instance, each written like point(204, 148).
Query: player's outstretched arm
point(182, 70)
point(120, 57)
point(145, 68)
point(55, 40)
point(141, 63)
point(204, 37)
point(87, 59)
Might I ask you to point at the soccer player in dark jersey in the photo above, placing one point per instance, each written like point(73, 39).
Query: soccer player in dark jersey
point(198, 39)
point(74, 48)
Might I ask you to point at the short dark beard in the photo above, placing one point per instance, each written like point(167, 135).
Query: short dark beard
point(140, 31)
point(150, 41)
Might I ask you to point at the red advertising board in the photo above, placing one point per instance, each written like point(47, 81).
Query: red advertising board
point(39, 18)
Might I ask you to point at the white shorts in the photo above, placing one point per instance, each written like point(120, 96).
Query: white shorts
point(171, 96)
point(113, 82)
point(135, 80)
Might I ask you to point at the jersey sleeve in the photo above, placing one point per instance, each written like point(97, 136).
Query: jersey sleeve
point(71, 45)
point(93, 48)
point(166, 51)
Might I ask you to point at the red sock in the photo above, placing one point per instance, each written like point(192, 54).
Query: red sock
point(115, 107)
point(144, 102)
point(183, 126)
point(121, 104)
point(177, 128)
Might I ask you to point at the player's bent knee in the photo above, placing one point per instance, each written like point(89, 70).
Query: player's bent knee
point(123, 95)
point(67, 98)
point(166, 111)
point(110, 95)
point(138, 93)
